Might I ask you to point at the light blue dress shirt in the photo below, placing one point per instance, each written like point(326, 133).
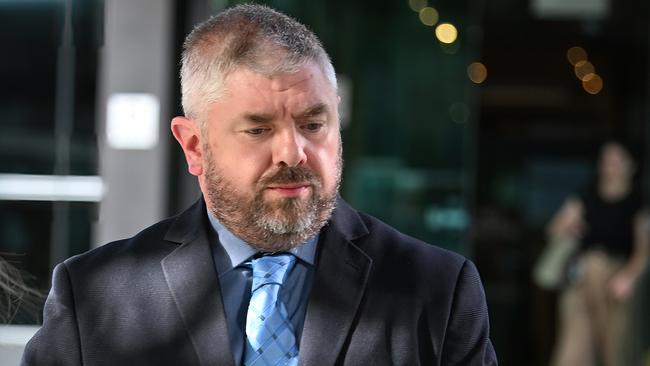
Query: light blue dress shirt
point(230, 254)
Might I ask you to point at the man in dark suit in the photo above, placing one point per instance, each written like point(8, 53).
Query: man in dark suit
point(270, 266)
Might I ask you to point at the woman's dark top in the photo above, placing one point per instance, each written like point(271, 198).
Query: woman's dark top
point(610, 225)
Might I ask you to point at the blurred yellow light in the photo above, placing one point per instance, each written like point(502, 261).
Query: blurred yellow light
point(584, 68)
point(428, 16)
point(446, 33)
point(576, 54)
point(417, 5)
point(592, 83)
point(477, 72)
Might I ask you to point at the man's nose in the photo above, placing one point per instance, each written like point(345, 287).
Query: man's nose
point(289, 148)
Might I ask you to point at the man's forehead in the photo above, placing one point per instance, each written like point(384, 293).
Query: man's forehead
point(285, 82)
point(305, 92)
point(309, 74)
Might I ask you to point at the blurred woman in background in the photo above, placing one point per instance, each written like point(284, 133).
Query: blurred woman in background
point(609, 222)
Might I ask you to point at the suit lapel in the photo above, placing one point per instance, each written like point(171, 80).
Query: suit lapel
point(341, 276)
point(192, 279)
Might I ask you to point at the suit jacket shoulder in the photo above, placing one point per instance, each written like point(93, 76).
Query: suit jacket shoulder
point(389, 247)
point(121, 304)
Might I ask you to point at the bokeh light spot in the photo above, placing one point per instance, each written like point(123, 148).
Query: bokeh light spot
point(417, 5)
point(576, 54)
point(592, 83)
point(477, 72)
point(428, 16)
point(459, 112)
point(446, 33)
point(584, 68)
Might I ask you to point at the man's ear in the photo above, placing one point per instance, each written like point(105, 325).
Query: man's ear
point(188, 135)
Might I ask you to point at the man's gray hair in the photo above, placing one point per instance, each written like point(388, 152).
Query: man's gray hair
point(253, 36)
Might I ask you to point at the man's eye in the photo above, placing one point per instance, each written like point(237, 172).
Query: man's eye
point(312, 127)
point(257, 131)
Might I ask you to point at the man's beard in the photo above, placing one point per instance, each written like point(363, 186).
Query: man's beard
point(271, 225)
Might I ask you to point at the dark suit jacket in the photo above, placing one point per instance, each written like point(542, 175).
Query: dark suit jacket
point(379, 298)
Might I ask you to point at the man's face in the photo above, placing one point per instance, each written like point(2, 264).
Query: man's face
point(272, 156)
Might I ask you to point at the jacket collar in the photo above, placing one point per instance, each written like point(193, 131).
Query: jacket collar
point(192, 280)
point(342, 272)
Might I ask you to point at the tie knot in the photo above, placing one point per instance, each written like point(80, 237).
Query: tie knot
point(271, 269)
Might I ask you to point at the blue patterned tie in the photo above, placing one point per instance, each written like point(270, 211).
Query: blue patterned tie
point(269, 333)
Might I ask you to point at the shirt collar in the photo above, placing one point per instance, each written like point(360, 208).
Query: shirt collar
point(239, 251)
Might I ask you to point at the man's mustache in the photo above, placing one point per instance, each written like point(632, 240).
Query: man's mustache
point(287, 174)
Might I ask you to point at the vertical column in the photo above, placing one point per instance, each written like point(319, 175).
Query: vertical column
point(133, 115)
point(64, 116)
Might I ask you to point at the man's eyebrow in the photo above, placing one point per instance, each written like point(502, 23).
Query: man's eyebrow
point(258, 117)
point(314, 110)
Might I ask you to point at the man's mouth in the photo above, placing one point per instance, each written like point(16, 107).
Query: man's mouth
point(289, 189)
